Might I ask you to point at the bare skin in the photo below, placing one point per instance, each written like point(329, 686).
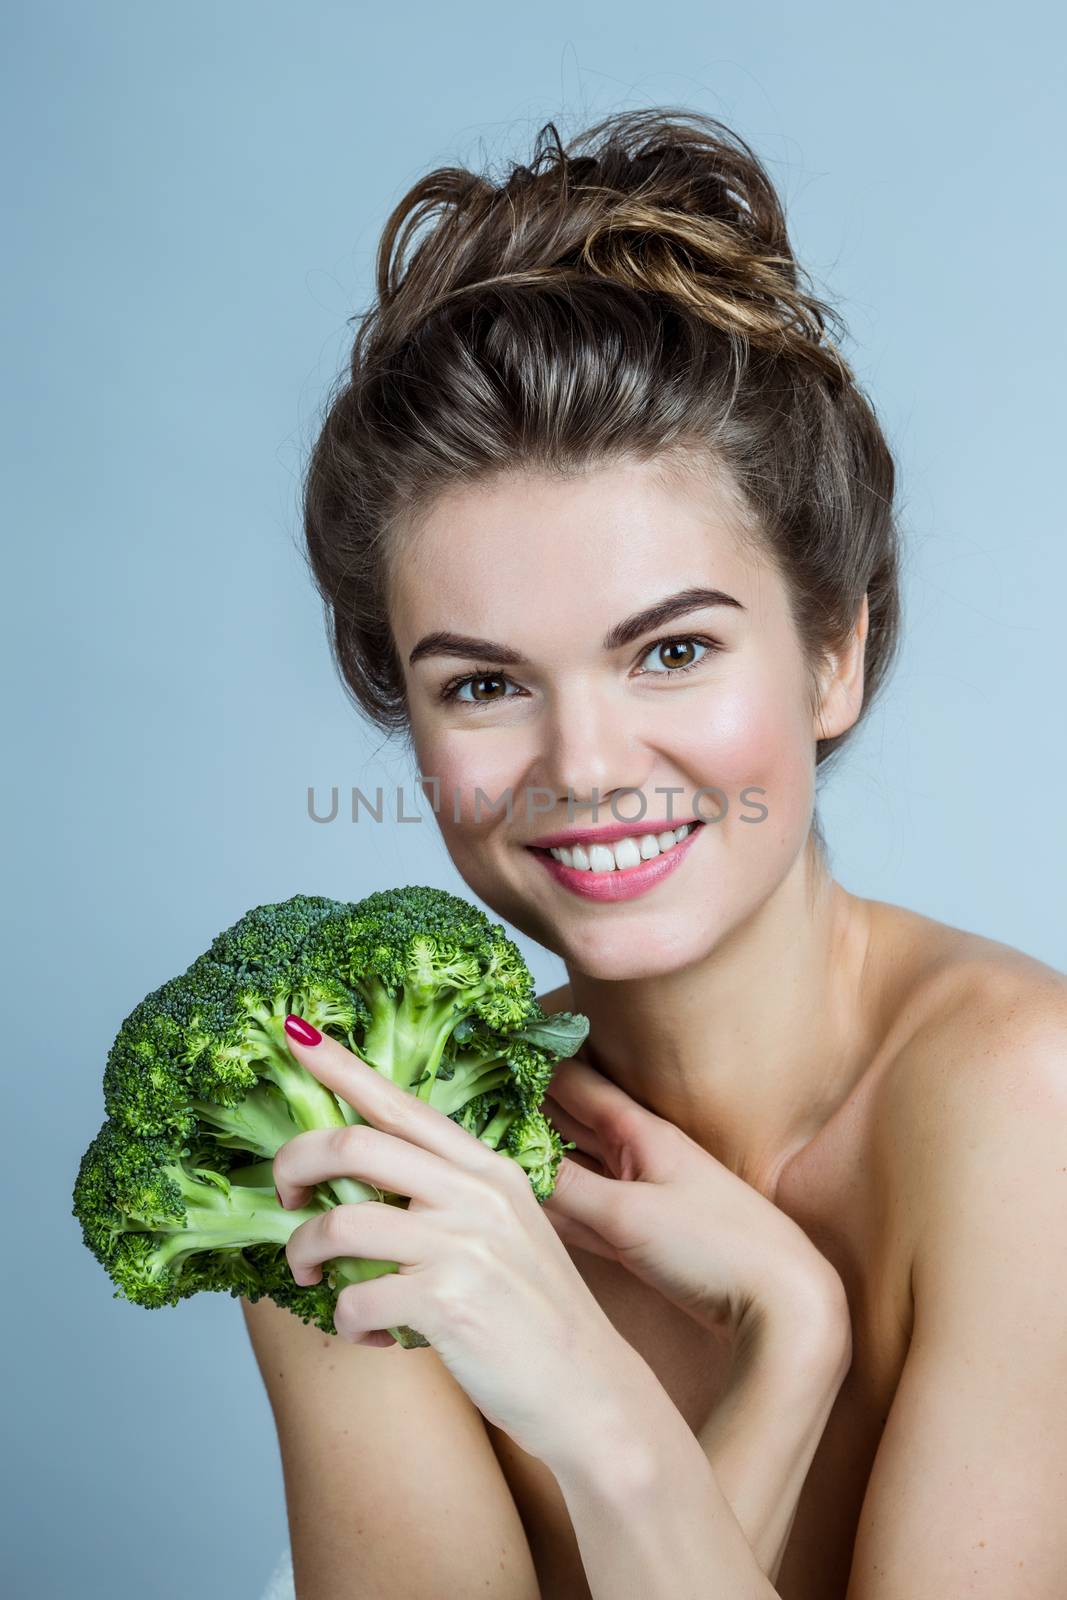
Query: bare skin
point(841, 1055)
point(857, 1189)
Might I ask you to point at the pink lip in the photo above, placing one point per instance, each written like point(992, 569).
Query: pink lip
point(606, 835)
point(620, 883)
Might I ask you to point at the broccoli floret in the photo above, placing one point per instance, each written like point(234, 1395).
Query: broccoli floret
point(175, 1194)
point(524, 1134)
point(166, 1225)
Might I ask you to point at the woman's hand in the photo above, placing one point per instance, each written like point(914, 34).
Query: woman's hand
point(643, 1193)
point(482, 1272)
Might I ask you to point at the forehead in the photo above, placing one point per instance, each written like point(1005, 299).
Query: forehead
point(505, 557)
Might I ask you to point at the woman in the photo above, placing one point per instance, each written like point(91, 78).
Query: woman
point(602, 516)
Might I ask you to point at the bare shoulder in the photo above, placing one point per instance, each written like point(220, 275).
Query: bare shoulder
point(977, 1005)
point(986, 1041)
point(968, 1472)
point(351, 1420)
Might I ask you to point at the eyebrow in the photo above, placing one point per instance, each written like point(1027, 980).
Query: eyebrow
point(623, 633)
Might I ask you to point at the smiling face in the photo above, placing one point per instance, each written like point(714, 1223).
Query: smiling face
point(715, 696)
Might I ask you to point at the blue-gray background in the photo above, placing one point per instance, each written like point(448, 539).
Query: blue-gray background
point(197, 192)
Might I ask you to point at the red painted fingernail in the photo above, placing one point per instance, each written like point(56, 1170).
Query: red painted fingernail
point(300, 1030)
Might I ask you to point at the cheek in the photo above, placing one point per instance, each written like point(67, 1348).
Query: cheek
point(755, 736)
point(463, 765)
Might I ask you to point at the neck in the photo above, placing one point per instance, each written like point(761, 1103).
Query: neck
point(751, 1050)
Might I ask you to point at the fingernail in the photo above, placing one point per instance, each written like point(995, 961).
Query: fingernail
point(300, 1030)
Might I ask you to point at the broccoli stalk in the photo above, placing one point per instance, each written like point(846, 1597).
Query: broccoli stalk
point(289, 1101)
point(220, 1215)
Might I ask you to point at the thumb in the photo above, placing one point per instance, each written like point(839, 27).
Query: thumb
point(567, 1208)
point(585, 1196)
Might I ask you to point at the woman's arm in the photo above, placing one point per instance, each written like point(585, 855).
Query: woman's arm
point(966, 1488)
point(966, 1493)
point(761, 1437)
point(650, 1518)
point(658, 1512)
point(391, 1485)
point(631, 1194)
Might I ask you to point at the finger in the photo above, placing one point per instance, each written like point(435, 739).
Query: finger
point(366, 1310)
point(628, 1132)
point(588, 1094)
point(587, 1198)
point(384, 1104)
point(369, 1230)
point(359, 1151)
point(570, 1128)
point(578, 1236)
point(590, 1163)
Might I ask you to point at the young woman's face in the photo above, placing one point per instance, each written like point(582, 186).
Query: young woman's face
point(544, 570)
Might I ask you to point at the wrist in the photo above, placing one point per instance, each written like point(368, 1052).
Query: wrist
point(615, 1435)
point(804, 1324)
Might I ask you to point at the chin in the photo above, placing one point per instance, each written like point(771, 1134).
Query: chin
point(616, 960)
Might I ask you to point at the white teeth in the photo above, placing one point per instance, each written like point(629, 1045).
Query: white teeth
point(601, 858)
point(626, 853)
point(623, 853)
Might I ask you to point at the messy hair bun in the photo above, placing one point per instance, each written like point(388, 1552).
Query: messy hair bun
point(631, 293)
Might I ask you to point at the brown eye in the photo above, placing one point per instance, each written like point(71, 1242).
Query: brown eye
point(456, 691)
point(675, 656)
point(676, 652)
point(475, 683)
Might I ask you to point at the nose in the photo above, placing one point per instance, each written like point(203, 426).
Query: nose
point(590, 750)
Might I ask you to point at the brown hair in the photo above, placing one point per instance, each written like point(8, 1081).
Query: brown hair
point(633, 293)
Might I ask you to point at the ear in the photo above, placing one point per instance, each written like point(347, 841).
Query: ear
point(840, 681)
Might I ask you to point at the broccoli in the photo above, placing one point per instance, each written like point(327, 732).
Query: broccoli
point(175, 1194)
